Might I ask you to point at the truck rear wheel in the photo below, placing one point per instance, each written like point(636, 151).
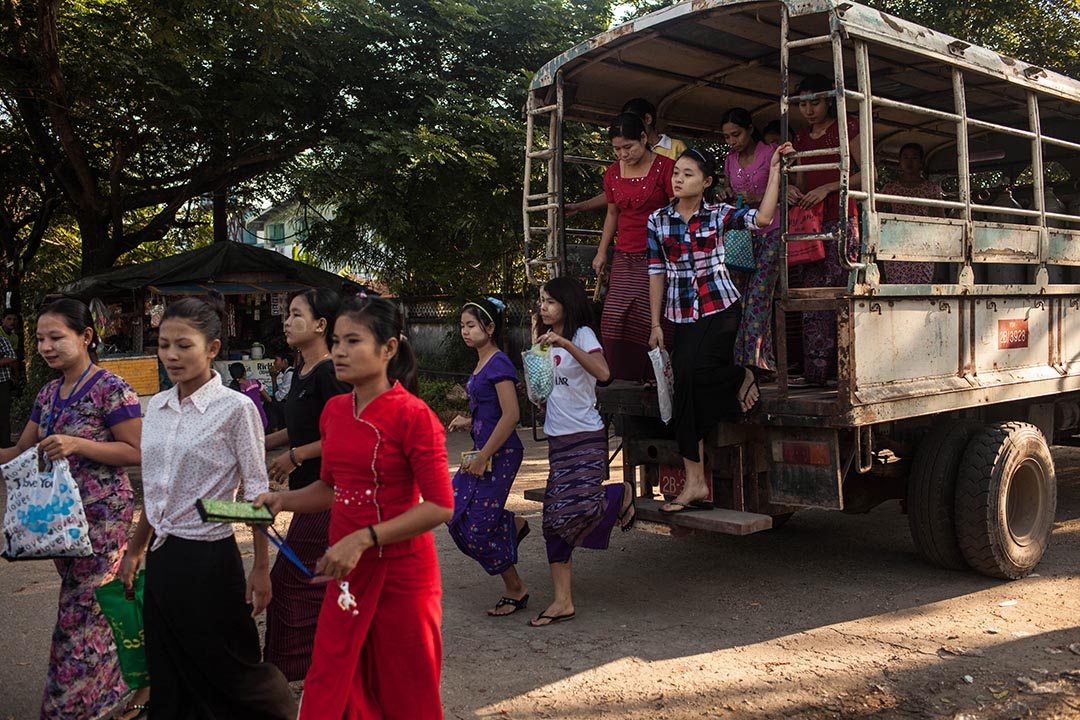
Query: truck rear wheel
point(1006, 495)
point(932, 491)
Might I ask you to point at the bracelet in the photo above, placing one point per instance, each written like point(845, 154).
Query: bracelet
point(292, 458)
point(374, 537)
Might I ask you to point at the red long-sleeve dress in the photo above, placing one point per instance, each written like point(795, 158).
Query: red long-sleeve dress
point(383, 657)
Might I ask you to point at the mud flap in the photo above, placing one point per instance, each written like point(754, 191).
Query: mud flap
point(804, 467)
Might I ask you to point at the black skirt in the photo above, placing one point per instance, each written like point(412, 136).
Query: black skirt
point(202, 646)
point(707, 380)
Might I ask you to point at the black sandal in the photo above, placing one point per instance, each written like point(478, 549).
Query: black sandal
point(504, 601)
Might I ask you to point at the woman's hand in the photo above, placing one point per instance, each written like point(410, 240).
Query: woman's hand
point(816, 196)
point(571, 209)
point(61, 446)
point(273, 501)
point(129, 565)
point(340, 559)
point(460, 422)
point(259, 591)
point(477, 466)
point(782, 150)
point(552, 338)
point(656, 337)
point(280, 469)
point(599, 263)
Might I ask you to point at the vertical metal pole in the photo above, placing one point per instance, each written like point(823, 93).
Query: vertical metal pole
point(866, 149)
point(527, 182)
point(963, 168)
point(780, 313)
point(552, 216)
point(1039, 182)
point(835, 30)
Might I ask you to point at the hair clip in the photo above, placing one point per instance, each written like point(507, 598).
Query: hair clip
point(497, 303)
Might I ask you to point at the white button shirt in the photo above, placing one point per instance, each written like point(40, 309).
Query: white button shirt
point(201, 447)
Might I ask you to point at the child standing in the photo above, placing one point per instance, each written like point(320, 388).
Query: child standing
point(482, 526)
point(251, 387)
point(378, 647)
point(579, 510)
point(203, 440)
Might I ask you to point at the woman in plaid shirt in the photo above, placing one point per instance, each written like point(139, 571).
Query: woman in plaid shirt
point(689, 282)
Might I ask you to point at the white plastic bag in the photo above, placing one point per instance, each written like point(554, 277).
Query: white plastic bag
point(44, 516)
point(665, 381)
point(539, 370)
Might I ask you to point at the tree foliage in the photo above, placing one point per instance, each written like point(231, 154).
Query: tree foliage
point(436, 206)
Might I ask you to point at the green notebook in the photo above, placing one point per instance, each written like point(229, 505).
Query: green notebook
point(224, 511)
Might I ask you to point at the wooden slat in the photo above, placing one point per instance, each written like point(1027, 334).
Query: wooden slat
point(727, 522)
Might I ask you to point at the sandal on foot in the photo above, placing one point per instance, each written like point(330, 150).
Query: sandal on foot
point(746, 393)
point(630, 509)
point(504, 601)
point(522, 533)
point(551, 619)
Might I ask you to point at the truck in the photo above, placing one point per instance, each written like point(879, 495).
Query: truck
point(948, 394)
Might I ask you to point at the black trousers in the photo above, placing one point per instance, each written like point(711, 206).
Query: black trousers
point(202, 646)
point(707, 380)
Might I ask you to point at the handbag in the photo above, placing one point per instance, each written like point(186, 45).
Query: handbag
point(539, 370)
point(739, 247)
point(123, 609)
point(44, 517)
point(805, 221)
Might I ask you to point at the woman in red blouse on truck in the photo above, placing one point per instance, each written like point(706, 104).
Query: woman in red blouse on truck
point(378, 647)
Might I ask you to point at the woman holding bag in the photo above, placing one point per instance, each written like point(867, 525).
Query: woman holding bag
point(92, 418)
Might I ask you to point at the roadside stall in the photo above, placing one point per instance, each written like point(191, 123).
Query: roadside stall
point(129, 303)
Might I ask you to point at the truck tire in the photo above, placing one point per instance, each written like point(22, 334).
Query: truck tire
point(932, 492)
point(1006, 495)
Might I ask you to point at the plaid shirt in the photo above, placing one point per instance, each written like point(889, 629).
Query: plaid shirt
point(692, 256)
point(7, 352)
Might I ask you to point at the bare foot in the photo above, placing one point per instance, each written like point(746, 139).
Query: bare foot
point(748, 392)
point(555, 613)
point(521, 597)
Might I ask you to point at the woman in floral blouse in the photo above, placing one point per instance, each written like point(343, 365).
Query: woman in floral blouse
point(92, 418)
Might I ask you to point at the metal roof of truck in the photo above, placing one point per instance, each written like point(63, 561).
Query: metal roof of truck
point(697, 59)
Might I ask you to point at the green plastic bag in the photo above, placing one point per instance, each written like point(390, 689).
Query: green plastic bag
point(123, 609)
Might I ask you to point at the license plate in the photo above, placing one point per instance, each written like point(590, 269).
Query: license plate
point(673, 479)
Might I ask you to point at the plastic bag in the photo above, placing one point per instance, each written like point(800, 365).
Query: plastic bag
point(805, 221)
point(665, 382)
point(124, 611)
point(44, 516)
point(539, 370)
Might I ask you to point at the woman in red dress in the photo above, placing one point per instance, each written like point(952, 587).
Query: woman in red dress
point(378, 647)
point(635, 185)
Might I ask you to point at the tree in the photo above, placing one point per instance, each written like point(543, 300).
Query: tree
point(138, 106)
point(436, 206)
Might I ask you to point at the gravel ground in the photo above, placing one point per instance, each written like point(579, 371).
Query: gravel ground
point(832, 616)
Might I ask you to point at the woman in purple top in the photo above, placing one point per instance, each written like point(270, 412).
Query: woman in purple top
point(482, 526)
point(92, 418)
point(747, 170)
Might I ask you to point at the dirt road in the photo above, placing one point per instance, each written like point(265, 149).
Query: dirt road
point(832, 616)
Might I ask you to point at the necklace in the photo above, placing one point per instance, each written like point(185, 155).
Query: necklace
point(56, 401)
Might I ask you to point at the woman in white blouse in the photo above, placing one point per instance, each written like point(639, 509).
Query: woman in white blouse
point(201, 440)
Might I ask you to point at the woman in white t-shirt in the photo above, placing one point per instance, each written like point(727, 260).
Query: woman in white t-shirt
point(579, 510)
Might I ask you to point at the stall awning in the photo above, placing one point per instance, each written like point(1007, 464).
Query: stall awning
point(227, 288)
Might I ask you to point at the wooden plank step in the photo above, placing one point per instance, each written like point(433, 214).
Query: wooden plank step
point(720, 520)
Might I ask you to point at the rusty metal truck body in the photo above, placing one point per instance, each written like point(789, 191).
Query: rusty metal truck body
point(947, 393)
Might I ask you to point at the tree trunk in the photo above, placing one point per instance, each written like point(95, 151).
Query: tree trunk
point(97, 245)
point(221, 218)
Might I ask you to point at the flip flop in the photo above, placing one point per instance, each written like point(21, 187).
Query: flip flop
point(504, 601)
point(686, 507)
point(746, 393)
point(630, 509)
point(551, 619)
point(522, 534)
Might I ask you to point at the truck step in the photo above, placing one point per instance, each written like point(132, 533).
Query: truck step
point(719, 520)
